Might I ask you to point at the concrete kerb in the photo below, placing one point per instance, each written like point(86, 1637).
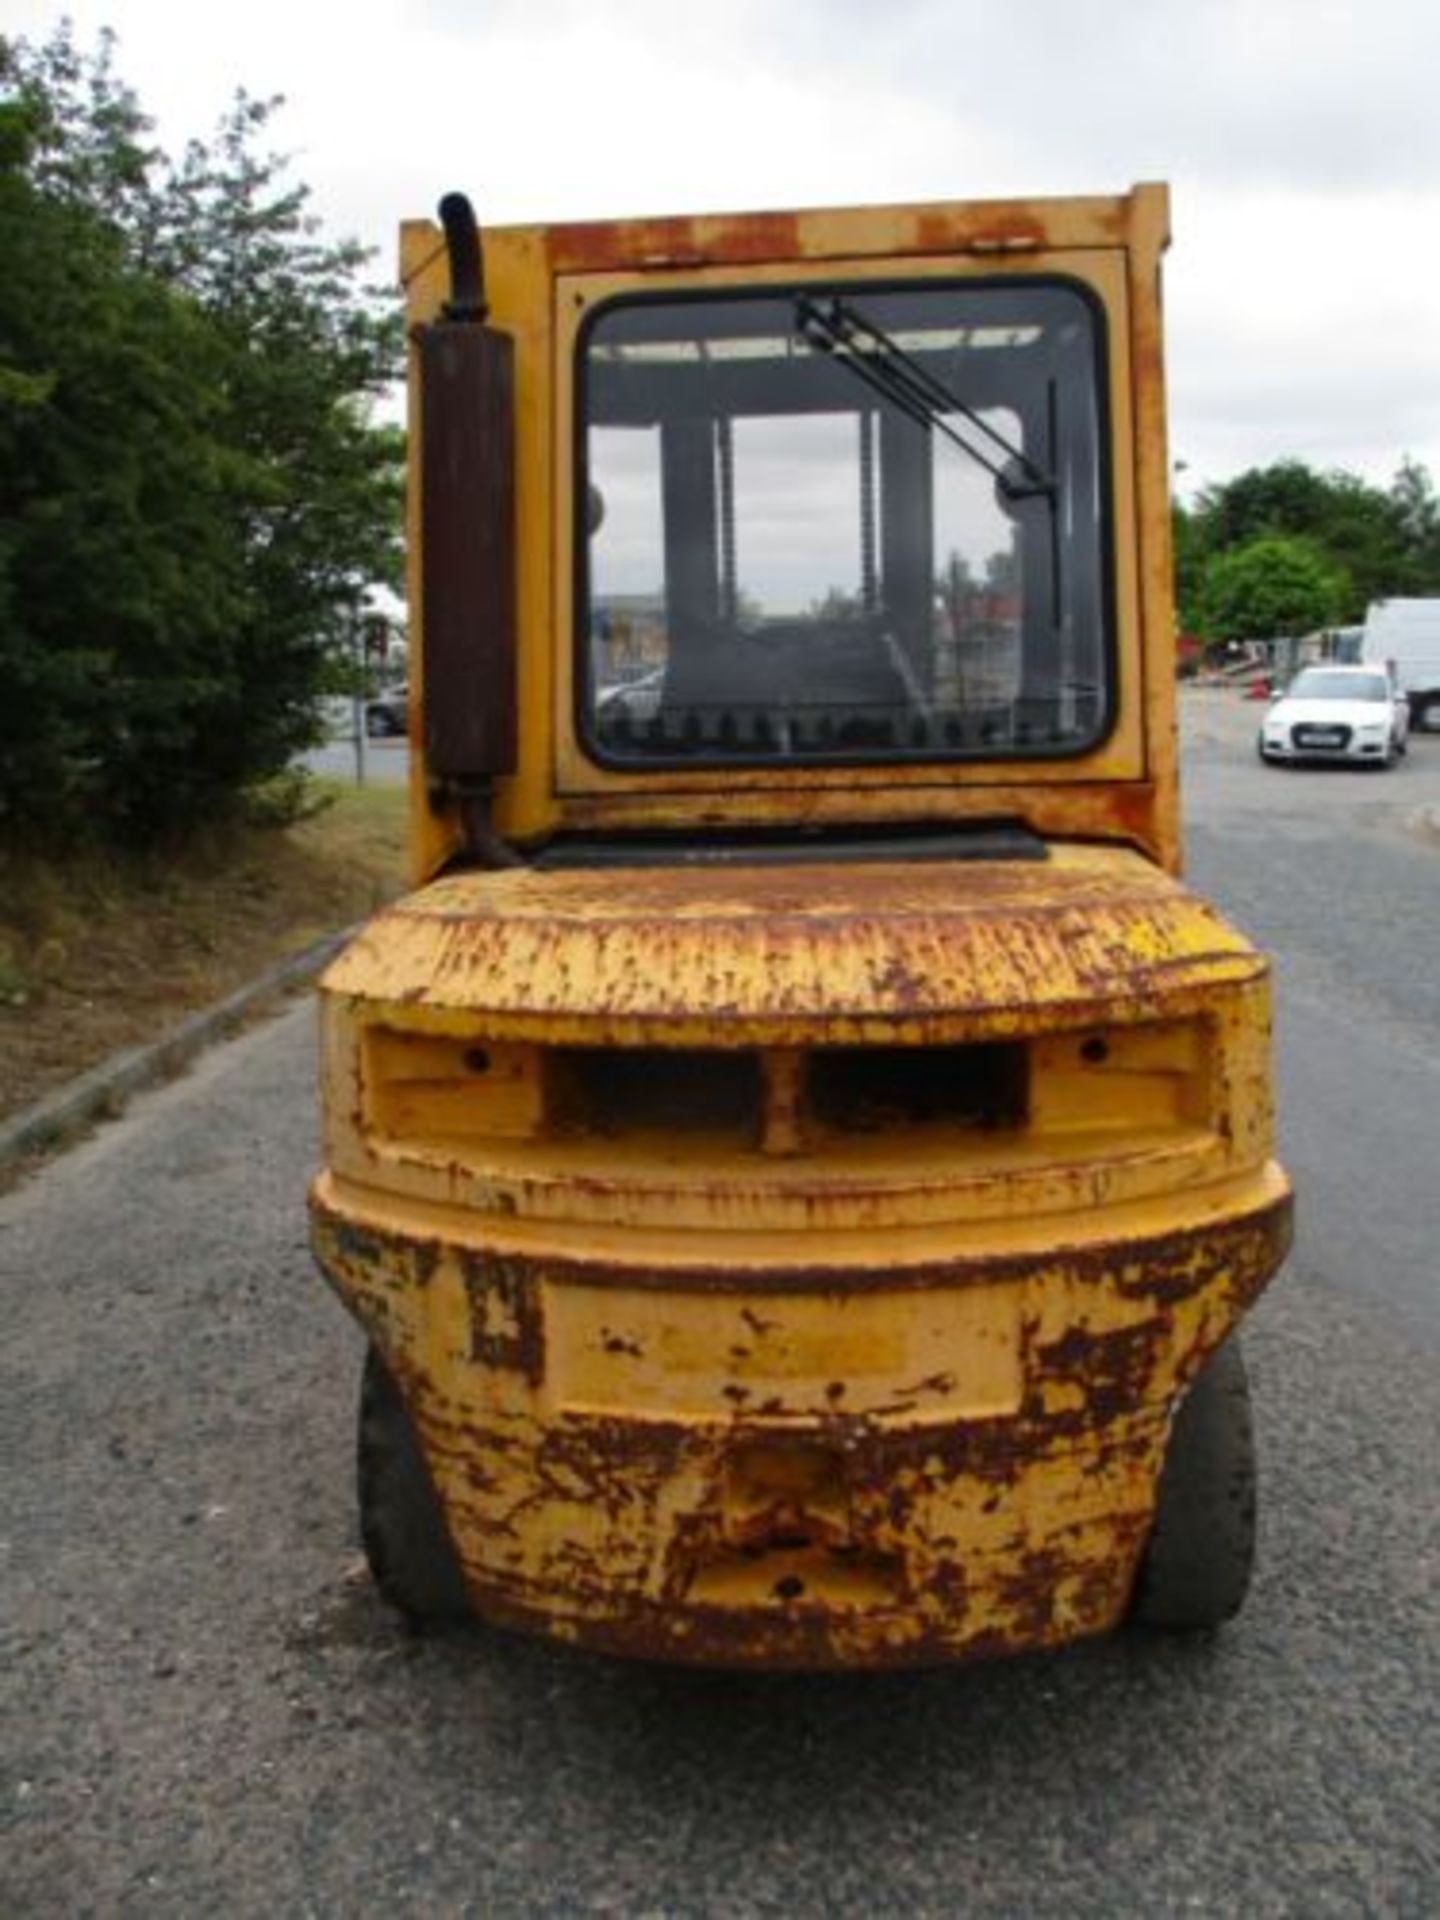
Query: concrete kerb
point(100, 1092)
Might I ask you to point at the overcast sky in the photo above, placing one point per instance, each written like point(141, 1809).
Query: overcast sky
point(1300, 139)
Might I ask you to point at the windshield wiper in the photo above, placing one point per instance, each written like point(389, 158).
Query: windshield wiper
point(836, 328)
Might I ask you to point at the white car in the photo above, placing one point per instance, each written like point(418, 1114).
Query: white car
point(1350, 714)
point(387, 715)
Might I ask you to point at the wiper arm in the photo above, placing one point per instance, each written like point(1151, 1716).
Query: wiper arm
point(876, 357)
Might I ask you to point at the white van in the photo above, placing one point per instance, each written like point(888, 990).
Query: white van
point(1405, 635)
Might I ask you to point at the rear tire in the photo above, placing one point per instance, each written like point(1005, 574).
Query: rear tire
point(402, 1528)
point(1196, 1568)
point(1425, 713)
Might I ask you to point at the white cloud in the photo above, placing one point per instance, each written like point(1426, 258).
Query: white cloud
point(1304, 297)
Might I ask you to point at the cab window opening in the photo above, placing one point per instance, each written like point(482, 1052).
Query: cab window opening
point(893, 548)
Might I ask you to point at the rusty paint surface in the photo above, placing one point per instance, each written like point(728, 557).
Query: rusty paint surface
point(789, 1399)
point(1134, 813)
point(839, 1471)
point(740, 238)
point(743, 239)
point(763, 949)
point(893, 1401)
point(1107, 1117)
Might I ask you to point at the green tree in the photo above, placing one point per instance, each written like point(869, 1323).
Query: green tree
point(112, 640)
point(194, 499)
point(1268, 587)
point(1188, 546)
point(1356, 526)
point(309, 352)
point(1417, 509)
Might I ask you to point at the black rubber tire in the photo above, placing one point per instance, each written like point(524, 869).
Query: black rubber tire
point(1196, 1568)
point(1425, 713)
point(402, 1529)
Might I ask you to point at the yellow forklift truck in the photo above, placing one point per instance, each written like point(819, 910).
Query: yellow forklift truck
point(801, 1155)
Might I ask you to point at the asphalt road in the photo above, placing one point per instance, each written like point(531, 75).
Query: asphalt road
point(384, 762)
point(204, 1705)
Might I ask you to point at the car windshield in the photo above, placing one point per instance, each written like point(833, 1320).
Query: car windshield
point(844, 523)
point(1317, 683)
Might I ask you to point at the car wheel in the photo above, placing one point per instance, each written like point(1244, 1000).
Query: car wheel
point(376, 724)
point(402, 1528)
point(1196, 1568)
point(1425, 714)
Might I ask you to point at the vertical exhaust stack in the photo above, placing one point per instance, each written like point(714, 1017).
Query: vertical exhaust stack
point(467, 532)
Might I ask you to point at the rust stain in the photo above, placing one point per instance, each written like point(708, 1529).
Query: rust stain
point(956, 230)
point(1162, 1268)
point(795, 1571)
point(986, 940)
point(1132, 807)
point(505, 1323)
point(614, 246)
point(1119, 810)
point(1111, 1371)
point(867, 1538)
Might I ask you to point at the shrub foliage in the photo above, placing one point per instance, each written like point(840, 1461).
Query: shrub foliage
point(195, 498)
point(1283, 549)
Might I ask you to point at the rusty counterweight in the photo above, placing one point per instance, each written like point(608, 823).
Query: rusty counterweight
point(690, 1466)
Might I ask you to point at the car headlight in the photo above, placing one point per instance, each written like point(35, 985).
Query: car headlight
point(1373, 730)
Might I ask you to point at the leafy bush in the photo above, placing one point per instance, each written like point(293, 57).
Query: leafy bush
point(1271, 586)
point(194, 498)
point(1370, 541)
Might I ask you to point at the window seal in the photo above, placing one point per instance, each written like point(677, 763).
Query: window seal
point(789, 768)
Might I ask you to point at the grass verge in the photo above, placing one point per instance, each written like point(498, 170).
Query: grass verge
point(100, 952)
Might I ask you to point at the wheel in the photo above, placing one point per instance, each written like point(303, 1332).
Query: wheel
point(1196, 1568)
point(402, 1529)
point(379, 725)
point(1425, 713)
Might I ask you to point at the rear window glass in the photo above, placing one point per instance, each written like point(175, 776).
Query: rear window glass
point(835, 524)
